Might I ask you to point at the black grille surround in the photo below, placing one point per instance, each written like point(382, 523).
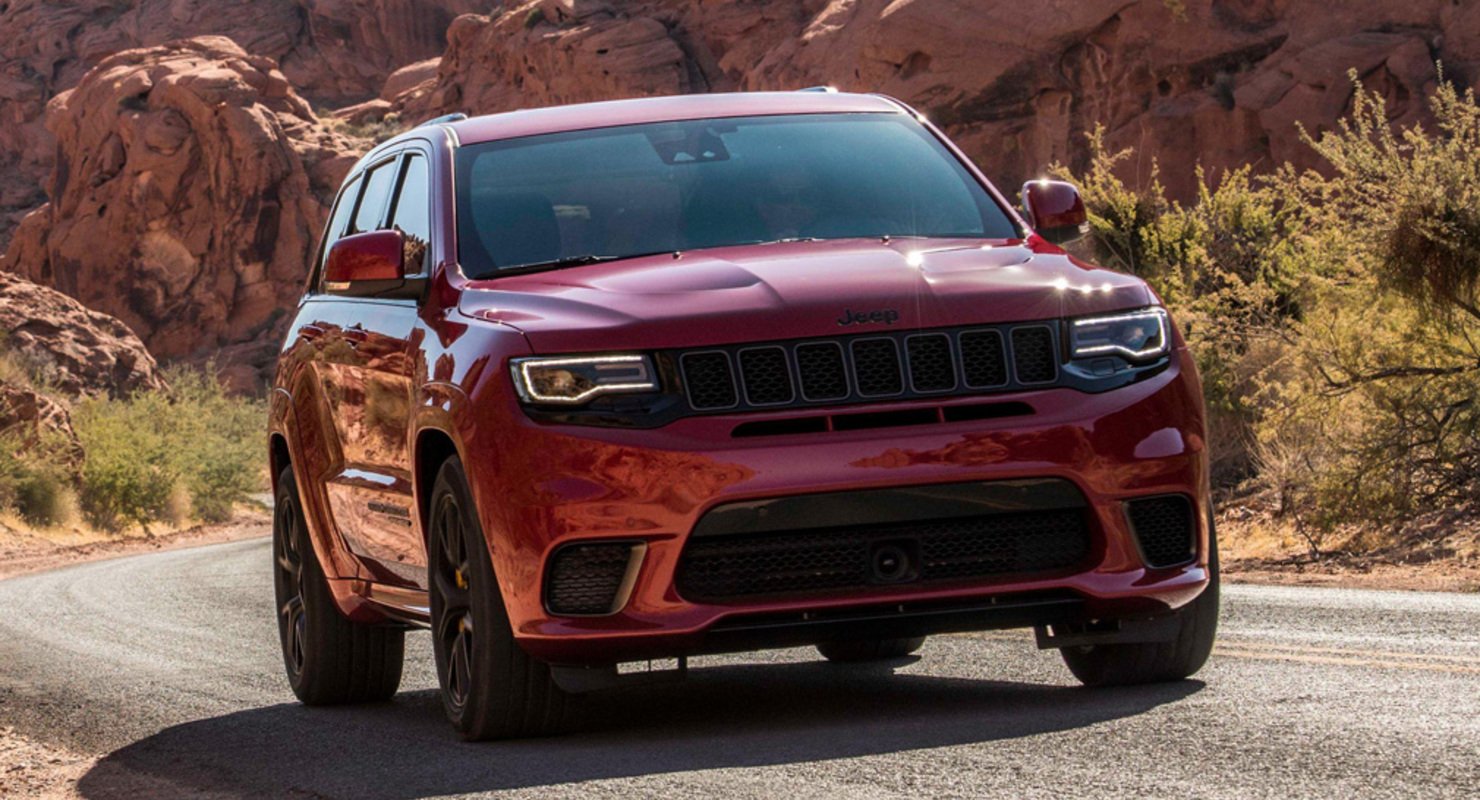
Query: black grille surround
point(874, 366)
point(789, 563)
point(1164, 528)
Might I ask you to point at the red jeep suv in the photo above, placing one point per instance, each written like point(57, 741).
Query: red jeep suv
point(588, 390)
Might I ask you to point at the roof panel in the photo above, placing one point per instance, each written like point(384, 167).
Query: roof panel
point(584, 116)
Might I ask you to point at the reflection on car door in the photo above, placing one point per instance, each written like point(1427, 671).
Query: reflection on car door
point(366, 367)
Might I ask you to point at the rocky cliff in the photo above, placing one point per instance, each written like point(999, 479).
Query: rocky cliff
point(331, 51)
point(53, 350)
point(189, 187)
point(1216, 82)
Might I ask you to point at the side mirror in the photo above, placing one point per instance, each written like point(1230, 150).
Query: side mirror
point(370, 264)
point(1055, 210)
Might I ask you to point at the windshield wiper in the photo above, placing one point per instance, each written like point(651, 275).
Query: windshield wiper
point(789, 240)
point(572, 261)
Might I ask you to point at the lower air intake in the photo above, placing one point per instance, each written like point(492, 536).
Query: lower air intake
point(1164, 528)
point(849, 557)
point(584, 579)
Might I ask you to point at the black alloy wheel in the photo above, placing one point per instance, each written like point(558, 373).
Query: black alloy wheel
point(328, 658)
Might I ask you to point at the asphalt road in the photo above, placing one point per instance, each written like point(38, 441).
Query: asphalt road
point(167, 666)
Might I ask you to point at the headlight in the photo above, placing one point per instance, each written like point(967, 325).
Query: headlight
point(572, 380)
point(1135, 335)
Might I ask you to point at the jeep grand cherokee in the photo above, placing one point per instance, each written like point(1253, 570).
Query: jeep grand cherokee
point(588, 390)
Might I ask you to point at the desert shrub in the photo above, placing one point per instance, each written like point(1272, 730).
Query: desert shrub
point(147, 452)
point(34, 484)
point(222, 443)
point(1383, 401)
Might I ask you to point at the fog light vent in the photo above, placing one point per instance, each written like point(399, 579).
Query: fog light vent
point(589, 579)
point(1163, 526)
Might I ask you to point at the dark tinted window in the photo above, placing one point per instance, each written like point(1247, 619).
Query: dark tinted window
point(412, 214)
point(687, 185)
point(372, 202)
point(342, 210)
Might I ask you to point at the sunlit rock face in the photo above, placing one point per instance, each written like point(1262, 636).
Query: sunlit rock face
point(333, 52)
point(1215, 82)
point(190, 184)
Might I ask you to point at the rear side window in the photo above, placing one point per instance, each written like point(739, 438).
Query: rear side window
point(412, 213)
point(372, 202)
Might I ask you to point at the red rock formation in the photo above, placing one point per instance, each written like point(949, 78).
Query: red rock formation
point(1220, 82)
point(333, 51)
point(76, 351)
point(30, 420)
point(190, 185)
point(68, 351)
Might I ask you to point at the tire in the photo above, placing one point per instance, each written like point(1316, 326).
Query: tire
point(329, 659)
point(490, 688)
point(858, 650)
point(1157, 662)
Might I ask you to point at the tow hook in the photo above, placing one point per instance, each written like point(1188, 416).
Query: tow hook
point(1117, 631)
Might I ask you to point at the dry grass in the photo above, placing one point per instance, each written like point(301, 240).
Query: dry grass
point(1437, 551)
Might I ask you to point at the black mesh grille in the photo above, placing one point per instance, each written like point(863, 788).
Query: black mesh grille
point(1033, 355)
point(876, 366)
point(982, 361)
point(709, 381)
point(765, 376)
point(585, 578)
point(1163, 526)
point(823, 375)
point(841, 558)
point(931, 367)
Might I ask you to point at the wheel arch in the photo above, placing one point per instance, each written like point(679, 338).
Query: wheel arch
point(278, 457)
point(432, 449)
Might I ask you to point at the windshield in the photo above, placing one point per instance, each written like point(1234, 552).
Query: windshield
point(571, 198)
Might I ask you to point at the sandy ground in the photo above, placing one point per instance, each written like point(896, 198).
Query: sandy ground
point(33, 770)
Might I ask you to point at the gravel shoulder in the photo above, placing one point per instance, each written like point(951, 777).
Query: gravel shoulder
point(23, 552)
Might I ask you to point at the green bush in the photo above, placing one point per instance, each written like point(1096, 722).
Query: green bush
point(144, 451)
point(34, 485)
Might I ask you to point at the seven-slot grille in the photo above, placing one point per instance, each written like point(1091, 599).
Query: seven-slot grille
point(873, 366)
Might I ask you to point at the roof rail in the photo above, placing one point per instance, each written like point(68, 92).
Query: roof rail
point(456, 117)
point(826, 89)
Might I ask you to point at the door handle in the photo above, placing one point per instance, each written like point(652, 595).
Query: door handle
point(310, 332)
point(355, 335)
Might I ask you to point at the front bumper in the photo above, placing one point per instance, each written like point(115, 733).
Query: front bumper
point(542, 486)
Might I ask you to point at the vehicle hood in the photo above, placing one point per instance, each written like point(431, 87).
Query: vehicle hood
point(795, 290)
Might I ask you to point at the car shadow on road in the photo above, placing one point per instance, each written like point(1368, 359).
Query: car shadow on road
point(730, 716)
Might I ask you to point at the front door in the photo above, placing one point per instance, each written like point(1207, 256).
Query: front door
point(367, 368)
